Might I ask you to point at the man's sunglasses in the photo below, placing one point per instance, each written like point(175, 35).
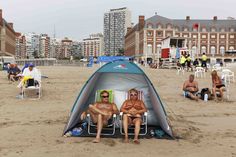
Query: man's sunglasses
point(133, 94)
point(105, 96)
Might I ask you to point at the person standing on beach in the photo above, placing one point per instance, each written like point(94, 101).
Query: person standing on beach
point(133, 110)
point(190, 88)
point(101, 112)
point(204, 61)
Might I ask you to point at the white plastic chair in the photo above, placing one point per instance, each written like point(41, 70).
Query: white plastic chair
point(180, 70)
point(228, 75)
point(34, 87)
point(200, 72)
point(217, 68)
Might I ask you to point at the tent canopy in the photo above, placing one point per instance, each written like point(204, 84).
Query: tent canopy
point(120, 76)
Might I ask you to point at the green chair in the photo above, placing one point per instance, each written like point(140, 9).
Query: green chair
point(111, 127)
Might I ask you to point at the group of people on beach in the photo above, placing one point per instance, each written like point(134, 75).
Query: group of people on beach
point(191, 89)
point(186, 60)
point(102, 111)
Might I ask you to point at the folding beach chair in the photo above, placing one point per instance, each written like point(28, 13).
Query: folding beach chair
point(32, 87)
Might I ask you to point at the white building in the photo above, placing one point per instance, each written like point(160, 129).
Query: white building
point(44, 46)
point(93, 46)
point(116, 22)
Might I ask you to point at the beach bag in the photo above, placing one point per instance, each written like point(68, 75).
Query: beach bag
point(205, 91)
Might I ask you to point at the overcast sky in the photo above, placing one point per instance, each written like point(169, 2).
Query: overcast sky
point(77, 19)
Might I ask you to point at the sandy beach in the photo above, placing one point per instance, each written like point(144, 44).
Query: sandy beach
point(33, 128)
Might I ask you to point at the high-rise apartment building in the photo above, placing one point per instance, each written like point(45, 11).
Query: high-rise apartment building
point(116, 22)
point(93, 46)
point(44, 46)
point(20, 46)
point(7, 37)
point(66, 48)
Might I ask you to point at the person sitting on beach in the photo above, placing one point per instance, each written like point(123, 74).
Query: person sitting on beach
point(13, 71)
point(217, 84)
point(30, 73)
point(196, 63)
point(190, 88)
point(101, 112)
point(133, 110)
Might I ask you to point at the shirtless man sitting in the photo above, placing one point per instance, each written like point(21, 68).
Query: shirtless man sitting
point(190, 88)
point(101, 112)
point(133, 110)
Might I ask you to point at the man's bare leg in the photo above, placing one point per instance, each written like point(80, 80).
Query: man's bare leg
point(125, 126)
point(194, 97)
point(137, 129)
point(99, 129)
point(214, 92)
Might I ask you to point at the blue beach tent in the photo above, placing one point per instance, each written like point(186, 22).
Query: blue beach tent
point(120, 76)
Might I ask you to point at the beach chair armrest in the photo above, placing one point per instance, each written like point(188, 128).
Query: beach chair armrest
point(145, 114)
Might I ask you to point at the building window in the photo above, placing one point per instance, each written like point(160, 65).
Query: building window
point(204, 36)
point(222, 50)
point(222, 36)
point(149, 25)
point(177, 29)
point(168, 34)
point(203, 29)
point(203, 49)
point(231, 29)
point(149, 49)
point(185, 29)
point(231, 48)
point(149, 33)
point(213, 36)
point(159, 26)
point(159, 34)
point(213, 50)
point(231, 36)
point(185, 36)
point(222, 30)
point(194, 50)
point(169, 26)
point(213, 29)
point(194, 36)
point(195, 29)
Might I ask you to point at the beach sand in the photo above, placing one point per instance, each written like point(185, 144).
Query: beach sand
point(33, 128)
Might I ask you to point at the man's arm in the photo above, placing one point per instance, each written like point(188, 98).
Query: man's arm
point(196, 86)
point(115, 109)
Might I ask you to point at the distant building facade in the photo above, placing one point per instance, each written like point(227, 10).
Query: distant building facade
point(20, 46)
point(77, 49)
point(7, 37)
point(116, 22)
point(66, 48)
point(93, 46)
point(44, 46)
point(212, 36)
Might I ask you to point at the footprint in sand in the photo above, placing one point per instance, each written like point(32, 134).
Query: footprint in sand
point(109, 142)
